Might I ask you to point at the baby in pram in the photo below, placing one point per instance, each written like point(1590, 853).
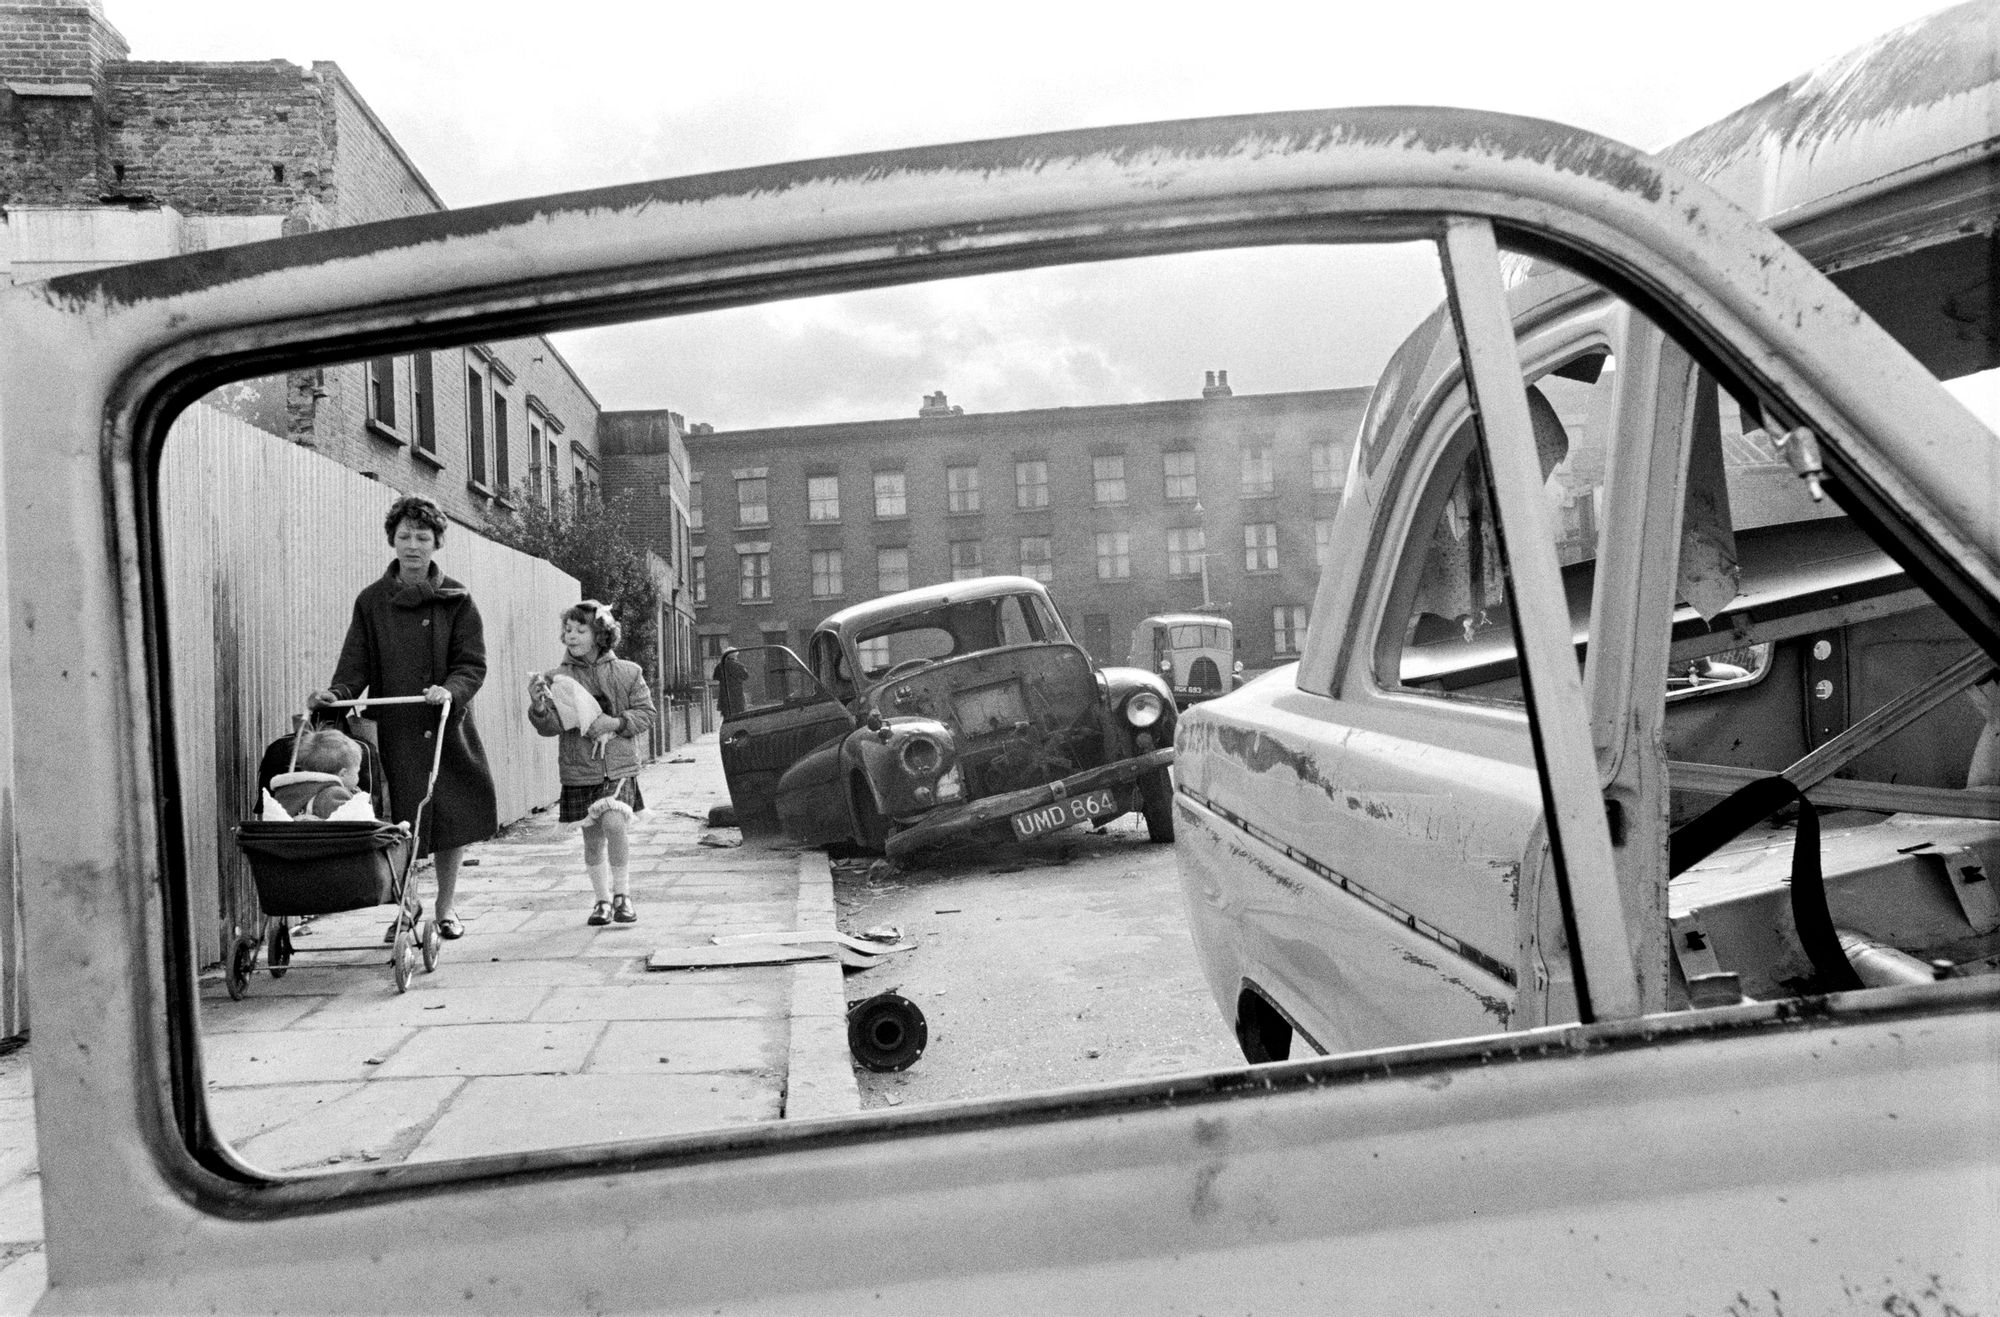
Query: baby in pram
point(324, 782)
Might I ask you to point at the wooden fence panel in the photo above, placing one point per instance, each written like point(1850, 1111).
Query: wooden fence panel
point(267, 544)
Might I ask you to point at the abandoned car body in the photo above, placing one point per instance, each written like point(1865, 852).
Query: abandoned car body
point(939, 713)
point(1815, 1154)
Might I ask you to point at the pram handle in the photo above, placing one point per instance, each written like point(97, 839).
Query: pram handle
point(437, 750)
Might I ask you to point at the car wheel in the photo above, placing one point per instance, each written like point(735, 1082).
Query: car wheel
point(871, 830)
point(1156, 802)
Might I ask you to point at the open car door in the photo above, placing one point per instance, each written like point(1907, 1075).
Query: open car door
point(774, 712)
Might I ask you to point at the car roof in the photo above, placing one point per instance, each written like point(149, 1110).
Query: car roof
point(1185, 619)
point(925, 597)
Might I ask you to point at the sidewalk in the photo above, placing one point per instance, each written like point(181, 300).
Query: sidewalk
point(536, 1030)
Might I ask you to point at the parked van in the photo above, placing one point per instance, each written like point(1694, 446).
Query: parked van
point(1194, 653)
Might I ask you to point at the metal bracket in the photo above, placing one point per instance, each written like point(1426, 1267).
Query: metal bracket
point(1965, 871)
point(1800, 449)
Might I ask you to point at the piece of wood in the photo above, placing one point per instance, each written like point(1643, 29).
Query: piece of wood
point(749, 954)
point(867, 946)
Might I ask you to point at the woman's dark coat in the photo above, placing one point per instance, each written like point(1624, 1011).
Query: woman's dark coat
point(402, 639)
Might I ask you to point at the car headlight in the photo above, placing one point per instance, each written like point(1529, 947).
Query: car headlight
point(921, 756)
point(1143, 709)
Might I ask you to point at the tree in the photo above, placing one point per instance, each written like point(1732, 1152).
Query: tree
point(598, 542)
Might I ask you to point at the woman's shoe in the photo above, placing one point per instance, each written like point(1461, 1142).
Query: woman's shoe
point(600, 913)
point(622, 911)
point(449, 928)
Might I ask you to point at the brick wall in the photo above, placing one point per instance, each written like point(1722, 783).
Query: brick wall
point(374, 179)
point(52, 128)
point(223, 138)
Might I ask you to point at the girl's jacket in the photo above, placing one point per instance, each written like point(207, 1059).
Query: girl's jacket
point(619, 687)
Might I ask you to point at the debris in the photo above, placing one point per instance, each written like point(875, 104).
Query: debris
point(892, 1099)
point(690, 814)
point(468, 864)
point(722, 816)
point(1093, 1054)
point(373, 1060)
point(870, 950)
point(719, 842)
point(747, 954)
point(886, 1032)
point(955, 910)
point(883, 933)
point(681, 759)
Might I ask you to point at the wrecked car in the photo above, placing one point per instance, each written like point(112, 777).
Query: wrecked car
point(1194, 653)
point(939, 713)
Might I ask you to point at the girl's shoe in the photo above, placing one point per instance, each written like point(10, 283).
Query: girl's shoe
point(600, 913)
point(622, 911)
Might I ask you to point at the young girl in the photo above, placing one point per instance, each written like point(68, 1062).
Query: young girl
point(599, 763)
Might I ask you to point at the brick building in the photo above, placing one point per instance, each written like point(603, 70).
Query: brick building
point(1124, 510)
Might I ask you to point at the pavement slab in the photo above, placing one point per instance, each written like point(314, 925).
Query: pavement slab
point(689, 1047)
point(494, 1049)
point(515, 1113)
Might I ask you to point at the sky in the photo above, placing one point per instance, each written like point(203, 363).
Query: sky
point(495, 100)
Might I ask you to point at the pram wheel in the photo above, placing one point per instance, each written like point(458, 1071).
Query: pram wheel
point(403, 958)
point(242, 963)
point(430, 939)
point(278, 948)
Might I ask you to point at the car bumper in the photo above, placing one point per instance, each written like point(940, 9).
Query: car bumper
point(947, 823)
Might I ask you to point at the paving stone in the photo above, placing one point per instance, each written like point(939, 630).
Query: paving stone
point(297, 1057)
point(494, 1049)
point(433, 1000)
point(254, 1014)
point(464, 972)
point(522, 1112)
point(667, 996)
point(21, 1211)
point(23, 1281)
point(372, 1122)
point(688, 1046)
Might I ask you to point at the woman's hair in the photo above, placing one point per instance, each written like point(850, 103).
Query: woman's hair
point(328, 750)
point(417, 508)
point(599, 619)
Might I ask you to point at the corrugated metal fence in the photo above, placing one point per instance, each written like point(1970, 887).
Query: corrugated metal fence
point(267, 544)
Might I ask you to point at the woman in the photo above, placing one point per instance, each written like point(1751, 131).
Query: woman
point(417, 631)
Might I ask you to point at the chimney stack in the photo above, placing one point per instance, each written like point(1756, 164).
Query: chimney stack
point(935, 405)
point(1217, 385)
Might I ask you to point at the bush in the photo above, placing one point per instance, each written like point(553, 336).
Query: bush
point(598, 542)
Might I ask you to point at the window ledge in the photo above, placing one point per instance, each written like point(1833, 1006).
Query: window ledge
point(505, 502)
point(753, 525)
point(479, 488)
point(387, 433)
point(1260, 571)
point(822, 521)
point(428, 458)
point(756, 603)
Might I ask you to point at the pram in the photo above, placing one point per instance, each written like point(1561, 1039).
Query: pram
point(325, 866)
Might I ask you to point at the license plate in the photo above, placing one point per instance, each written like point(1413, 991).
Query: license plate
point(1060, 814)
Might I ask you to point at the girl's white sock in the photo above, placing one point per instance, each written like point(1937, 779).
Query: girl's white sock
point(621, 880)
point(600, 879)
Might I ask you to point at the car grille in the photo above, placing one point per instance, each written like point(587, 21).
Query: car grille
point(1020, 716)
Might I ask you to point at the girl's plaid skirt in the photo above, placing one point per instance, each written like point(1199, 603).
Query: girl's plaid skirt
point(576, 800)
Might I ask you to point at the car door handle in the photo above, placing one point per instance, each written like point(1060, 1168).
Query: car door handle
point(736, 738)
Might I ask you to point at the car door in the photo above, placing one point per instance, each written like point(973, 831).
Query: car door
point(781, 714)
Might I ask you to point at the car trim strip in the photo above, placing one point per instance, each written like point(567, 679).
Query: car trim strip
point(1459, 947)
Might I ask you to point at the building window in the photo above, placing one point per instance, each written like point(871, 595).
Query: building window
point(822, 498)
point(699, 562)
point(538, 474)
point(1288, 628)
point(753, 500)
point(1323, 543)
point(475, 426)
point(694, 491)
point(890, 500)
point(503, 473)
point(892, 570)
point(1257, 478)
point(826, 573)
point(1180, 474)
point(426, 403)
point(555, 475)
point(966, 560)
point(382, 392)
point(753, 575)
point(711, 652)
point(874, 654)
point(1260, 547)
point(1114, 555)
point(1185, 551)
point(1031, 484)
point(1107, 475)
point(1038, 557)
point(1324, 474)
point(961, 485)
point(1097, 637)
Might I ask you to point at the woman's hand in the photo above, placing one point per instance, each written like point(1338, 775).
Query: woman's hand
point(538, 690)
point(319, 699)
point(437, 695)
